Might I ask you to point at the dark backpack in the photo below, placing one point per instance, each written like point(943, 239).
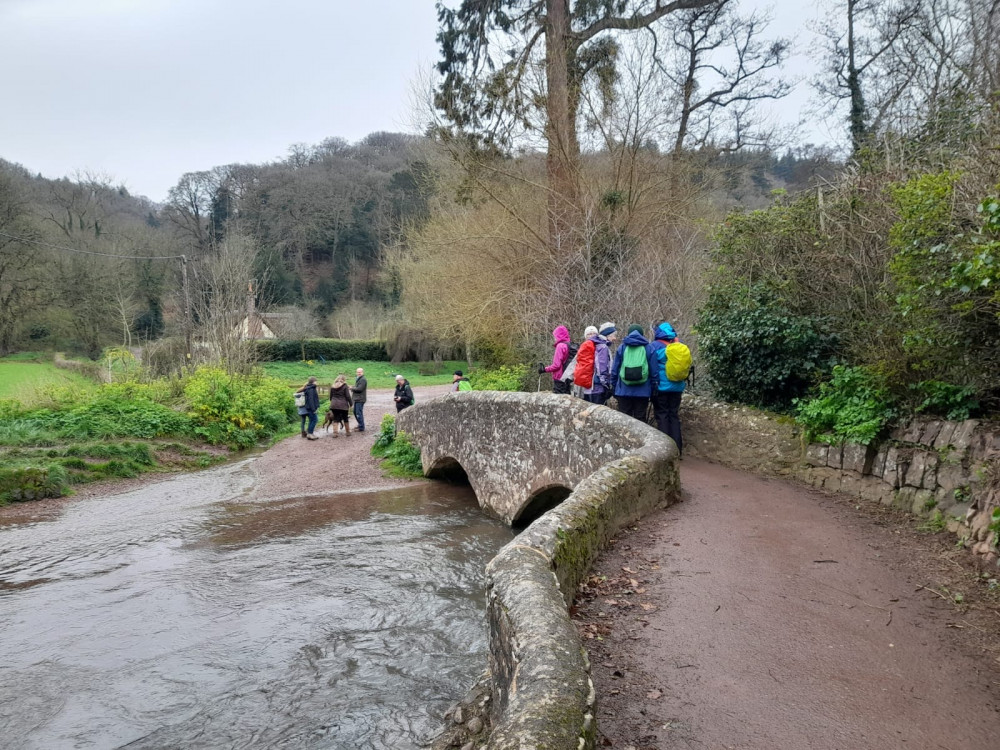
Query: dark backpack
point(570, 367)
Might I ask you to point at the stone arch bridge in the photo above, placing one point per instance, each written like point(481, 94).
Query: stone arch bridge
point(522, 453)
point(577, 473)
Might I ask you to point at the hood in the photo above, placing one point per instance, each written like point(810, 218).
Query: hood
point(561, 335)
point(635, 339)
point(665, 331)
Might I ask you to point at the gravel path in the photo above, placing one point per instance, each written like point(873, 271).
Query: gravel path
point(761, 614)
point(296, 467)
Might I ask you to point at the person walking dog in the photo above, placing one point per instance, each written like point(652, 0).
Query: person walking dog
point(360, 392)
point(340, 405)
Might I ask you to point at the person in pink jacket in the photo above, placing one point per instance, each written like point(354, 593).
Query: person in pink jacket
point(560, 358)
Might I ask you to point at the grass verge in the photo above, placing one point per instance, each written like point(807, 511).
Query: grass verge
point(379, 374)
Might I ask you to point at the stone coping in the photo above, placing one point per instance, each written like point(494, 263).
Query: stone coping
point(542, 694)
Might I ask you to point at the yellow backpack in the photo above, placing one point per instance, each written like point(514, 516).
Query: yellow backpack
point(678, 362)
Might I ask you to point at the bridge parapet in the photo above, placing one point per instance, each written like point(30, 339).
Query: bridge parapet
point(517, 450)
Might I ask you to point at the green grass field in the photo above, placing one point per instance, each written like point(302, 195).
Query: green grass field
point(22, 380)
point(379, 374)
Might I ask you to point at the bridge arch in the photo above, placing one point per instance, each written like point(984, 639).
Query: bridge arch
point(539, 504)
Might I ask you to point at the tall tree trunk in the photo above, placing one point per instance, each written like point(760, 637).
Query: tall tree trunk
point(563, 158)
point(857, 116)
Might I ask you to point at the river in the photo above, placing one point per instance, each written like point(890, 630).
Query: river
point(184, 615)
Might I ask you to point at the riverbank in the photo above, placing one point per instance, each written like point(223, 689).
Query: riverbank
point(292, 467)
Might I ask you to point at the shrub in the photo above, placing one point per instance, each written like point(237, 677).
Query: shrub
point(275, 350)
point(946, 269)
point(108, 415)
point(503, 378)
point(400, 457)
point(759, 353)
point(237, 411)
point(955, 402)
point(386, 434)
point(403, 457)
point(855, 406)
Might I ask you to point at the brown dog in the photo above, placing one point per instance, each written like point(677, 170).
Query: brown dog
point(328, 422)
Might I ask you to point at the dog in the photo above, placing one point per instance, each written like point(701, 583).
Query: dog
point(328, 422)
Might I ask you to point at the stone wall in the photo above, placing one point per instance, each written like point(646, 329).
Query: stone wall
point(948, 472)
point(512, 445)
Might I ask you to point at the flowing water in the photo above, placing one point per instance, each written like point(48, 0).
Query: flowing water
point(182, 615)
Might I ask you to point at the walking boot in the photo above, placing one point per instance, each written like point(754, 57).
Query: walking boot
point(347, 429)
point(303, 433)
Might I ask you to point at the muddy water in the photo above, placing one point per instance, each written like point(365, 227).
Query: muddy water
point(183, 615)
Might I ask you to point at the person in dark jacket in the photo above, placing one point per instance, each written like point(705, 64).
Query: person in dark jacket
point(560, 358)
point(667, 396)
point(404, 394)
point(340, 405)
point(633, 399)
point(311, 407)
point(360, 392)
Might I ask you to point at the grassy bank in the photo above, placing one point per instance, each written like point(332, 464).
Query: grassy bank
point(22, 379)
point(379, 374)
point(73, 435)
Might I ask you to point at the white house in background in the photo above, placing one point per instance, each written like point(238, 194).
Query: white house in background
point(257, 325)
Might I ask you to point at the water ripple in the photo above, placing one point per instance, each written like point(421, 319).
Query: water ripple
point(182, 616)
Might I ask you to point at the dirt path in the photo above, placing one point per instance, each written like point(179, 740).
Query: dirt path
point(760, 614)
point(296, 467)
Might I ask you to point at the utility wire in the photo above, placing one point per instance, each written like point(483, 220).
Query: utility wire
point(91, 252)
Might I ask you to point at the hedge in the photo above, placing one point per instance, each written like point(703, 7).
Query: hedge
point(274, 350)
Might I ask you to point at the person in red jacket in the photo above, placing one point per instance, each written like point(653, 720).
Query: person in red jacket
point(583, 375)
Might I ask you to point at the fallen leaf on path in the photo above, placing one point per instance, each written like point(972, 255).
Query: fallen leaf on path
point(653, 694)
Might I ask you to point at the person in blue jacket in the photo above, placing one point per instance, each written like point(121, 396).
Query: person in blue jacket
point(633, 399)
point(667, 398)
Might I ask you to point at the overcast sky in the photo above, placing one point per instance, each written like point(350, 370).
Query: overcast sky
point(145, 90)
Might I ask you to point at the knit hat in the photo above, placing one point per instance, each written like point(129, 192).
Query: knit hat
point(589, 331)
point(635, 327)
point(459, 373)
point(607, 329)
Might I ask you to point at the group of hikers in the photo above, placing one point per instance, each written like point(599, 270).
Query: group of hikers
point(343, 398)
point(636, 373)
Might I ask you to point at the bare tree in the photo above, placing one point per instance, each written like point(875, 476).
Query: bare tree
point(722, 66)
point(859, 39)
point(225, 300)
